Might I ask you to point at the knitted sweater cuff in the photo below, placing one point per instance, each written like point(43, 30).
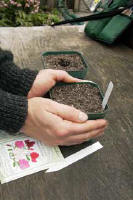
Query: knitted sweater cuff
point(13, 112)
point(28, 77)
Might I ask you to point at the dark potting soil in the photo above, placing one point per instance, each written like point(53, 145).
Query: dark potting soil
point(65, 62)
point(82, 96)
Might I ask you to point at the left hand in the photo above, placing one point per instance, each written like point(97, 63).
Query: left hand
point(46, 79)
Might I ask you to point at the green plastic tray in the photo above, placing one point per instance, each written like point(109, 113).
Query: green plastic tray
point(77, 74)
point(91, 116)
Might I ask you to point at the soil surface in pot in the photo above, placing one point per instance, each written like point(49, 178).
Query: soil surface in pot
point(65, 62)
point(82, 96)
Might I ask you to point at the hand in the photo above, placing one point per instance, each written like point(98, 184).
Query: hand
point(46, 79)
point(59, 124)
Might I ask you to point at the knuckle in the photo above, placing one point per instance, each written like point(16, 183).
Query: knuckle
point(86, 137)
point(57, 133)
point(50, 72)
point(60, 133)
point(63, 72)
point(64, 132)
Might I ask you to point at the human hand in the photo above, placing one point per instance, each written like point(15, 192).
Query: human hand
point(59, 124)
point(46, 79)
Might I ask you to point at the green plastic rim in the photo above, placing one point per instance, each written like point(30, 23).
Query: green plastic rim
point(91, 116)
point(77, 74)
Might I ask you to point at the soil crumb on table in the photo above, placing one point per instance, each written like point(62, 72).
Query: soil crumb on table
point(64, 62)
point(82, 96)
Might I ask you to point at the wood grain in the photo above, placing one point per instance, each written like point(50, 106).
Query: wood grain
point(108, 173)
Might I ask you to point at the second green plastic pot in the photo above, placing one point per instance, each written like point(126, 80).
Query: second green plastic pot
point(77, 74)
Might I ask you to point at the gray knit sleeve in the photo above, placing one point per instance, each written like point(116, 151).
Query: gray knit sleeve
point(13, 79)
point(13, 111)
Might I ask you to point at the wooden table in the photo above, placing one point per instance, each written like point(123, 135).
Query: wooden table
point(108, 173)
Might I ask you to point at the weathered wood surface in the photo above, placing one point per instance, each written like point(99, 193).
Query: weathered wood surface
point(108, 173)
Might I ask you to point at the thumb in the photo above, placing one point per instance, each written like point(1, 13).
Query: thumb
point(68, 112)
point(65, 77)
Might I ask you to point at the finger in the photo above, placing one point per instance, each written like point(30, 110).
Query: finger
point(100, 134)
point(65, 77)
point(78, 139)
point(68, 113)
point(87, 136)
point(88, 126)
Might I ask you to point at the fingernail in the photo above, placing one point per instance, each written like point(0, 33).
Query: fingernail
point(82, 116)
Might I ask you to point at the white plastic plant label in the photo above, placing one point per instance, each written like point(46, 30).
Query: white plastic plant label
point(107, 94)
point(75, 157)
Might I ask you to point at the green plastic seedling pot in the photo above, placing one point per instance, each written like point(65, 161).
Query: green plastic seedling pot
point(91, 116)
point(77, 74)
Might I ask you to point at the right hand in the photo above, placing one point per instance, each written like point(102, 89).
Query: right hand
point(59, 124)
